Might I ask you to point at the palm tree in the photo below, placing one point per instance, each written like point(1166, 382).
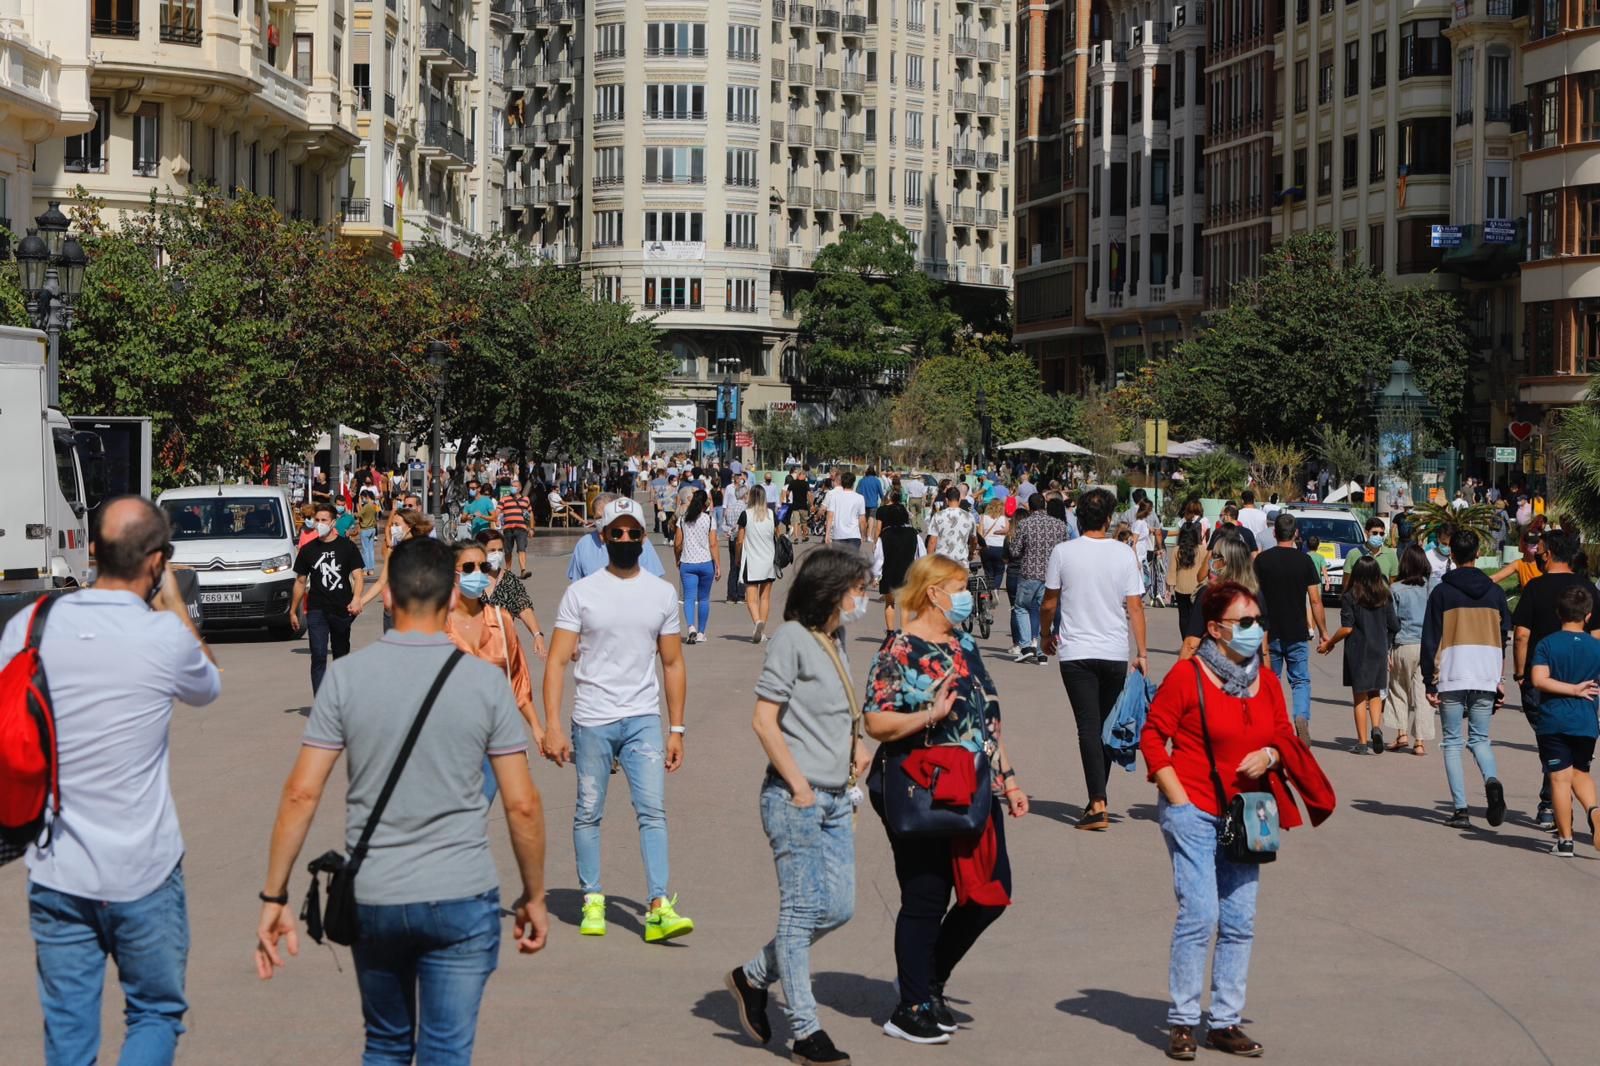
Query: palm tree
point(1577, 447)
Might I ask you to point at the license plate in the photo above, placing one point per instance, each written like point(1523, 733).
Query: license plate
point(221, 597)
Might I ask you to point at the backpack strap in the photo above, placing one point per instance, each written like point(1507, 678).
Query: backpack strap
point(36, 621)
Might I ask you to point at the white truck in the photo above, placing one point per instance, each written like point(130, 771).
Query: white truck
point(51, 476)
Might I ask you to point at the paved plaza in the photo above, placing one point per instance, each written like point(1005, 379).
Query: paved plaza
point(1381, 937)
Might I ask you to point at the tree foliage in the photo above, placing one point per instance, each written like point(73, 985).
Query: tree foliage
point(872, 311)
point(1349, 457)
point(1305, 343)
point(1217, 475)
point(1276, 468)
point(1577, 447)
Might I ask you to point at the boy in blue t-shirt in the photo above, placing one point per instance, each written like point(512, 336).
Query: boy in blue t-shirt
point(1566, 666)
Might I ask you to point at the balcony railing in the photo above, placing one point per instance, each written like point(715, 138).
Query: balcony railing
point(827, 18)
point(827, 138)
point(966, 158)
point(988, 217)
point(802, 14)
point(443, 40)
point(739, 55)
point(855, 25)
point(989, 161)
point(388, 105)
point(363, 97)
point(675, 179)
point(852, 202)
point(852, 141)
point(101, 27)
point(825, 199)
point(799, 196)
point(672, 115)
point(446, 138)
point(800, 73)
point(182, 34)
point(799, 134)
point(963, 101)
point(853, 82)
point(356, 209)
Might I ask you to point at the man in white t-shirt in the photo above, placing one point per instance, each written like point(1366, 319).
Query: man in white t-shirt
point(1254, 519)
point(1094, 582)
point(618, 620)
point(847, 513)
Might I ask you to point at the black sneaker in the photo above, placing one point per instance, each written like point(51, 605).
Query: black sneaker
point(1459, 820)
point(818, 1050)
point(752, 1003)
point(1563, 849)
point(1496, 794)
point(1546, 818)
point(1377, 741)
point(916, 1024)
point(941, 1011)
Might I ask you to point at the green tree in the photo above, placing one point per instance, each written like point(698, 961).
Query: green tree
point(1303, 343)
point(778, 436)
point(1576, 440)
point(872, 311)
point(1348, 457)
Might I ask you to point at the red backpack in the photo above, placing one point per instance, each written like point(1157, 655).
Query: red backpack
point(30, 786)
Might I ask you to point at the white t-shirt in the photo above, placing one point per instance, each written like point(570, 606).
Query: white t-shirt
point(1144, 543)
point(773, 491)
point(994, 530)
point(618, 622)
point(848, 507)
point(1255, 520)
point(1095, 575)
point(914, 488)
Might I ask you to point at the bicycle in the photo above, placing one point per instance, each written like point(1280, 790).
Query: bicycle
point(982, 616)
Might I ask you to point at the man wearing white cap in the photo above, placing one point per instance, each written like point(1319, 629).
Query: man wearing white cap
point(617, 620)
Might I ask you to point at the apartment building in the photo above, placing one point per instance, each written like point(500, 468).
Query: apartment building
point(1146, 111)
point(727, 142)
point(543, 121)
point(1560, 177)
point(44, 93)
point(1052, 191)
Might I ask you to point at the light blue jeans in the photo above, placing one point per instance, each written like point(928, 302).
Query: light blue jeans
point(148, 939)
point(697, 581)
point(635, 743)
point(1292, 660)
point(1477, 709)
point(815, 852)
point(1215, 896)
point(1025, 611)
point(369, 538)
point(422, 968)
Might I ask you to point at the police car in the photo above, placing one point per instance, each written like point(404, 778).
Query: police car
point(1339, 531)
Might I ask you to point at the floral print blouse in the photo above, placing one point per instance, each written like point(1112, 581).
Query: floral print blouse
point(908, 670)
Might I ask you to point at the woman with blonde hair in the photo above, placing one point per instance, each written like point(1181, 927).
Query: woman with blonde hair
point(993, 528)
point(413, 525)
point(930, 703)
point(1231, 560)
point(756, 548)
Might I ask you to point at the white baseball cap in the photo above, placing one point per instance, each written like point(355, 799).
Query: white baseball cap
point(621, 507)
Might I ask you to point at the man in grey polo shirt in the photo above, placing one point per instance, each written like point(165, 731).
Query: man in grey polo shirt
point(428, 897)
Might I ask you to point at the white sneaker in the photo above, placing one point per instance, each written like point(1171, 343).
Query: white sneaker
point(692, 638)
point(1014, 651)
point(1024, 655)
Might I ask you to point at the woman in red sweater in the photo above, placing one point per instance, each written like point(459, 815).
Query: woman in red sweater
point(1251, 735)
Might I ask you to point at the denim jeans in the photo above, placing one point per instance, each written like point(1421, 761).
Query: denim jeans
point(1292, 659)
point(369, 539)
point(636, 743)
point(323, 629)
point(422, 968)
point(814, 849)
point(1025, 611)
point(1477, 708)
point(1215, 896)
point(147, 938)
point(697, 581)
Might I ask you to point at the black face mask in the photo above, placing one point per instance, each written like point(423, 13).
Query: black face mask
point(624, 554)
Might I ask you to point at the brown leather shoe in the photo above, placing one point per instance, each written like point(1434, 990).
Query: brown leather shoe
point(1180, 1044)
point(1232, 1041)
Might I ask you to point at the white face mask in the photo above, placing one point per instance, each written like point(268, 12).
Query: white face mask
point(323, 528)
point(855, 613)
point(397, 534)
point(496, 560)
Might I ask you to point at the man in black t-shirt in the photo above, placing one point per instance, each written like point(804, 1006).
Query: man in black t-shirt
point(799, 490)
point(1536, 618)
point(328, 581)
point(1287, 578)
point(1229, 519)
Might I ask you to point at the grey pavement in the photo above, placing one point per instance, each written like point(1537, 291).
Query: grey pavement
point(1381, 937)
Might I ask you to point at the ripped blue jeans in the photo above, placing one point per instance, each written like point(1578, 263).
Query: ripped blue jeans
point(637, 744)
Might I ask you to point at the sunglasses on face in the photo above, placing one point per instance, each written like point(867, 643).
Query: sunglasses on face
point(624, 534)
point(468, 568)
point(1244, 621)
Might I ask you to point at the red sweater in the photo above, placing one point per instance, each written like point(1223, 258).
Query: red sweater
point(1237, 726)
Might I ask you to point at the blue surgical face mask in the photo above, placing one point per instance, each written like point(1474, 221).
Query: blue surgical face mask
point(475, 584)
point(1246, 642)
point(960, 608)
point(1375, 539)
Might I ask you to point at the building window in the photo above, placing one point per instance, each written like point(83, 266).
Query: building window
point(739, 229)
point(1375, 247)
point(913, 129)
point(1380, 59)
point(115, 18)
point(674, 165)
point(675, 39)
point(741, 294)
point(1542, 226)
point(1588, 353)
point(1324, 168)
point(675, 101)
point(1351, 170)
point(1158, 178)
point(1545, 100)
point(1497, 189)
point(1497, 86)
point(302, 57)
point(608, 289)
point(741, 164)
point(1541, 339)
point(608, 166)
point(1325, 78)
point(86, 153)
point(743, 42)
point(1350, 246)
point(1300, 86)
point(914, 72)
point(913, 187)
point(611, 40)
point(147, 141)
point(1136, 189)
point(742, 107)
point(1352, 67)
point(674, 226)
point(1425, 145)
point(1300, 169)
point(180, 21)
point(1377, 150)
point(1588, 235)
point(1464, 88)
point(608, 229)
point(608, 103)
point(1424, 52)
point(672, 292)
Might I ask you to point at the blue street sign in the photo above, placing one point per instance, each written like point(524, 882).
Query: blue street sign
point(1446, 236)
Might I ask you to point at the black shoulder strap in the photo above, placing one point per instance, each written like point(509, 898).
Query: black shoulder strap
point(400, 760)
point(1216, 778)
point(41, 611)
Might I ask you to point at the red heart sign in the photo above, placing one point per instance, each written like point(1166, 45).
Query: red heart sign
point(1520, 431)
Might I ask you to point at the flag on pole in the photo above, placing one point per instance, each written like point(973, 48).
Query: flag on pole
point(399, 246)
point(1400, 188)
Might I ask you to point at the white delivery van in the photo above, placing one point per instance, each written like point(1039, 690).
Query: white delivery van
point(240, 541)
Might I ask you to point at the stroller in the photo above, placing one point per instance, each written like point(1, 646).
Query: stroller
point(982, 617)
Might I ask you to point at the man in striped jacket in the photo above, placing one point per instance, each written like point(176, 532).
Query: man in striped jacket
point(1463, 662)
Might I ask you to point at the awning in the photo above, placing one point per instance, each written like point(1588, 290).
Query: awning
point(351, 438)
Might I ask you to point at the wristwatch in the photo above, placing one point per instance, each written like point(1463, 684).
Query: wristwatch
point(282, 901)
point(678, 729)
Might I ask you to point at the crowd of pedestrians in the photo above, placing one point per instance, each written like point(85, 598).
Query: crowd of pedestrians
point(919, 739)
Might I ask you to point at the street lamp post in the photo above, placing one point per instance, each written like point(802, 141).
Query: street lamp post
point(984, 427)
point(1400, 408)
point(51, 264)
point(438, 359)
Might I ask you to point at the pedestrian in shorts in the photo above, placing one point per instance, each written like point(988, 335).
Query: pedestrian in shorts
point(1566, 671)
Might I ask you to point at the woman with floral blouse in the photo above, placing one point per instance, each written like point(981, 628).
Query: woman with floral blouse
point(929, 689)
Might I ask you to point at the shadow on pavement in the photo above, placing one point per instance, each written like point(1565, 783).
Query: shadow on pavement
point(1065, 813)
point(717, 1007)
point(1138, 1016)
point(1441, 810)
point(855, 995)
point(303, 712)
point(566, 906)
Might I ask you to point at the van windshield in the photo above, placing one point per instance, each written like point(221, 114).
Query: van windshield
point(240, 517)
point(1329, 530)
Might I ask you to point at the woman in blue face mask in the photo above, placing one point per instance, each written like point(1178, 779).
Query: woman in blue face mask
point(1367, 619)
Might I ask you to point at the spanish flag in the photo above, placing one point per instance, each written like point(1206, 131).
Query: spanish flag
point(1400, 188)
point(399, 245)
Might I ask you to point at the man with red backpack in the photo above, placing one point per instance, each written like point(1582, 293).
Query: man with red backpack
point(106, 878)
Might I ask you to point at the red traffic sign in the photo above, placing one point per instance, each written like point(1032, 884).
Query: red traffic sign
point(744, 440)
point(700, 433)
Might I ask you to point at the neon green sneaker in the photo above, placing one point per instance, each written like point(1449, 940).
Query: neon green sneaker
point(665, 923)
point(594, 915)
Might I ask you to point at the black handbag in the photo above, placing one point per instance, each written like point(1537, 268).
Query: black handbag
point(1240, 841)
point(338, 921)
point(782, 553)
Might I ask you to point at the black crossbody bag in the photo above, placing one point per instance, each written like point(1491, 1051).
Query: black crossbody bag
point(338, 922)
point(1238, 841)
